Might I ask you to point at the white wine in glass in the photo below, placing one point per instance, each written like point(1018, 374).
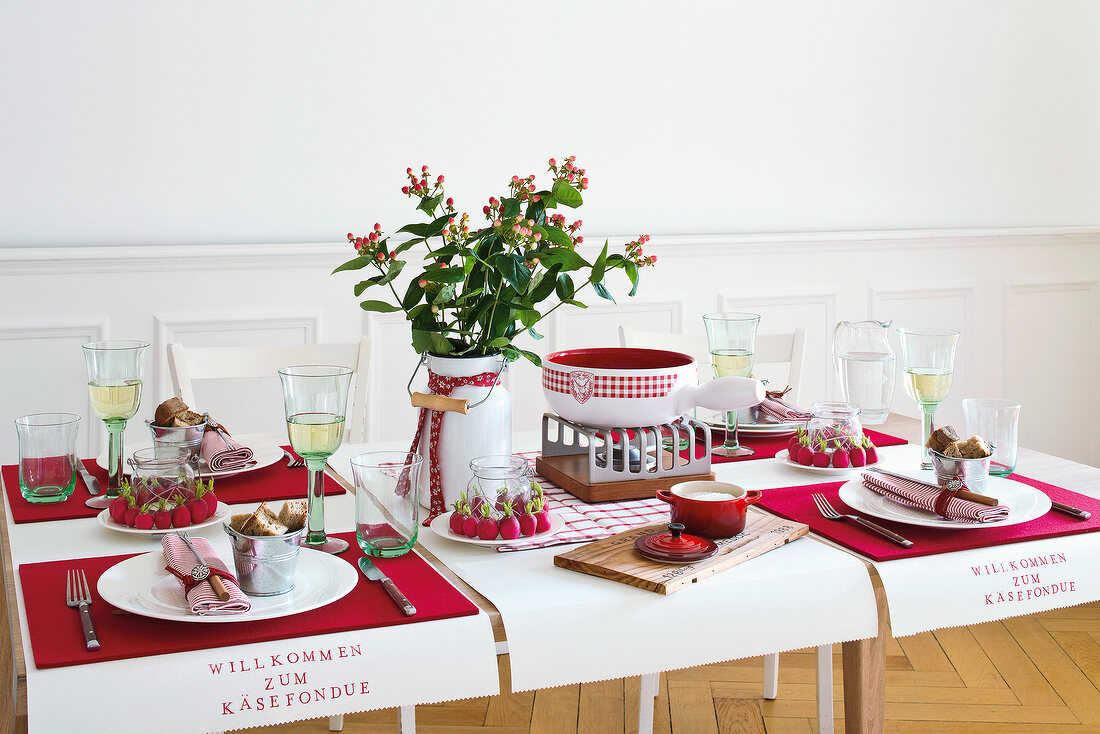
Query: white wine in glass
point(731, 338)
point(928, 386)
point(928, 358)
point(115, 400)
point(732, 362)
point(315, 435)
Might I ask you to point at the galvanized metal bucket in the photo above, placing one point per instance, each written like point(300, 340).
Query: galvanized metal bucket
point(972, 472)
point(185, 438)
point(265, 564)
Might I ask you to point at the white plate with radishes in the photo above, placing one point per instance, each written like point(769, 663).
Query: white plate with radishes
point(785, 457)
point(441, 526)
point(106, 521)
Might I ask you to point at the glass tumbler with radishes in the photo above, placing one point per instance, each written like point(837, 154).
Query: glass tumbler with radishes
point(501, 502)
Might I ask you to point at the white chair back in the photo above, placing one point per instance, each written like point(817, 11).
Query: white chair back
point(187, 364)
point(774, 352)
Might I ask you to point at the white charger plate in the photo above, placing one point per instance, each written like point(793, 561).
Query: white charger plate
point(441, 526)
point(106, 521)
point(138, 585)
point(784, 457)
point(1024, 504)
point(263, 453)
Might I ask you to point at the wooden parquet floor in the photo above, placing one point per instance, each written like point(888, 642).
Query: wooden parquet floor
point(1030, 675)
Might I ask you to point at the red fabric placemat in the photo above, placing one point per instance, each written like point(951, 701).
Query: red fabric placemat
point(795, 503)
point(766, 447)
point(56, 638)
point(274, 482)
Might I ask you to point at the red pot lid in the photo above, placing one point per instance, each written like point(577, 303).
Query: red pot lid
point(675, 547)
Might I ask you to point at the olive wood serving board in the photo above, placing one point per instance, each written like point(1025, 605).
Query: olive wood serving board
point(615, 558)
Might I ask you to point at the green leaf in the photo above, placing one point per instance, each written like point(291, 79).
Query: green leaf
point(511, 207)
point(571, 302)
point(564, 287)
point(392, 272)
point(436, 226)
point(566, 194)
point(529, 318)
point(408, 244)
point(632, 273)
point(443, 275)
point(356, 263)
point(364, 284)
point(513, 268)
point(413, 294)
point(440, 344)
point(446, 251)
point(421, 340)
point(500, 341)
point(379, 306)
point(564, 256)
point(557, 236)
point(428, 205)
point(419, 229)
point(548, 279)
point(534, 334)
point(600, 266)
point(602, 292)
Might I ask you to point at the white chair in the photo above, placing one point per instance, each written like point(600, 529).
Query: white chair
point(187, 364)
point(770, 350)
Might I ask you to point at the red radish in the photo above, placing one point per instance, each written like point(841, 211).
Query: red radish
point(162, 518)
point(205, 492)
point(792, 447)
point(131, 511)
point(869, 449)
point(542, 520)
point(805, 455)
point(144, 519)
point(487, 527)
point(118, 509)
point(456, 518)
point(841, 458)
point(858, 456)
point(820, 458)
point(181, 516)
point(509, 524)
point(469, 526)
point(198, 510)
point(527, 521)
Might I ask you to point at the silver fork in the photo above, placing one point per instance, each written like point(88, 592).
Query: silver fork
point(78, 595)
point(829, 513)
point(293, 462)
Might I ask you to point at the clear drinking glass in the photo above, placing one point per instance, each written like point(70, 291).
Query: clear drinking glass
point(731, 338)
point(315, 398)
point(928, 358)
point(387, 502)
point(47, 456)
point(115, 371)
point(998, 422)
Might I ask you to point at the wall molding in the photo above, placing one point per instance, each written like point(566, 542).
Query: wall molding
point(58, 260)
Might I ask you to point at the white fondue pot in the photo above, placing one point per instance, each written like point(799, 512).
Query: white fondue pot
point(621, 387)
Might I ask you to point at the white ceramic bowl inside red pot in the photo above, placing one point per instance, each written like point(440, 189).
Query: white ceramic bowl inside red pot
point(620, 387)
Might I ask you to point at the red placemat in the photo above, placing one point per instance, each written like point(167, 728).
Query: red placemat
point(795, 503)
point(275, 482)
point(56, 638)
point(766, 447)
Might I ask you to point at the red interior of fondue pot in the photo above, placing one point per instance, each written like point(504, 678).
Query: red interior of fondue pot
point(620, 358)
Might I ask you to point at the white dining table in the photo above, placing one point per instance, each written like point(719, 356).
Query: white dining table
point(384, 667)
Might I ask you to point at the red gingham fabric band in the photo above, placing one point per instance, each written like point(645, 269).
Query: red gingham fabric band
point(440, 385)
point(583, 385)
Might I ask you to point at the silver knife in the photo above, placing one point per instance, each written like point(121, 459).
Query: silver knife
point(89, 481)
point(1073, 511)
point(373, 573)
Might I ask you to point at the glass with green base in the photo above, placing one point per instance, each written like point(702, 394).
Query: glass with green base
point(315, 399)
point(928, 358)
point(115, 373)
point(732, 341)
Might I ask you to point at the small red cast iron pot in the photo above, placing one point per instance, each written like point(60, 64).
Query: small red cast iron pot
point(696, 506)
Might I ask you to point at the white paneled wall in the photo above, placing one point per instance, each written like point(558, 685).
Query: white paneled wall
point(1026, 302)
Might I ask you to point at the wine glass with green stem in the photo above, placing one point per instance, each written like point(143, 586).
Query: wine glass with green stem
point(731, 338)
point(315, 399)
point(928, 358)
point(115, 370)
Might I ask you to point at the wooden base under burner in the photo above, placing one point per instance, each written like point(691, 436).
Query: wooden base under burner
point(571, 474)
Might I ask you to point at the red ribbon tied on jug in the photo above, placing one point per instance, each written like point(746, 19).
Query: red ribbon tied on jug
point(439, 385)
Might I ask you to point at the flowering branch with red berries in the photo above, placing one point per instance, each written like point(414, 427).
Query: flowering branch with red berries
point(481, 288)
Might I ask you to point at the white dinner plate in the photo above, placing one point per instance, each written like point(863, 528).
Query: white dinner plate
point(139, 585)
point(784, 457)
point(764, 428)
point(1024, 504)
point(441, 526)
point(106, 521)
point(263, 453)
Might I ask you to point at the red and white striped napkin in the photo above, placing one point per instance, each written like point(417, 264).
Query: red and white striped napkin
point(221, 453)
point(201, 598)
point(585, 522)
point(783, 411)
point(923, 497)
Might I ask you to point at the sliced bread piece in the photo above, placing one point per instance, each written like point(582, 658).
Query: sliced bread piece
point(293, 514)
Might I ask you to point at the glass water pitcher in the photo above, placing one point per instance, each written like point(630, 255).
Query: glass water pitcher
point(865, 365)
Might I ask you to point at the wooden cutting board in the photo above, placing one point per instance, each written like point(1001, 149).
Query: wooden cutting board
point(615, 558)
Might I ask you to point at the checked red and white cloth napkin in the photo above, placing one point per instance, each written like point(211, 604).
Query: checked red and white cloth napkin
point(584, 521)
point(200, 596)
point(923, 497)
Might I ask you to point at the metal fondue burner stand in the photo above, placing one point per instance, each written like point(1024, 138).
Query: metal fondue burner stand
point(575, 457)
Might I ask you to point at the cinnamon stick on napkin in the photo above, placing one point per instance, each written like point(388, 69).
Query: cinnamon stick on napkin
point(923, 497)
point(221, 453)
point(200, 596)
